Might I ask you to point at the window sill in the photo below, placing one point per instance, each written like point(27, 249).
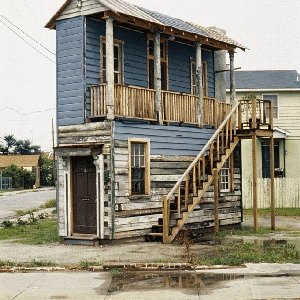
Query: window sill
point(139, 197)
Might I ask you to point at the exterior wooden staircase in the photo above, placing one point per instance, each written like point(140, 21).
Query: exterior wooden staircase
point(188, 192)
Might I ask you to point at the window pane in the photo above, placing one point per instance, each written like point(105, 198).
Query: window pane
point(151, 47)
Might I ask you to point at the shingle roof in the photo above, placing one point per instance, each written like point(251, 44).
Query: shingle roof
point(120, 6)
point(254, 80)
point(28, 161)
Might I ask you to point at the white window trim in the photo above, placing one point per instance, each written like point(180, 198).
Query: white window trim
point(273, 94)
point(147, 163)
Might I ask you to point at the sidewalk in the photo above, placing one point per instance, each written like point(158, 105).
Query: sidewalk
point(255, 281)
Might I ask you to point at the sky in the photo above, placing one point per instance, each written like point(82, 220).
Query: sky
point(270, 29)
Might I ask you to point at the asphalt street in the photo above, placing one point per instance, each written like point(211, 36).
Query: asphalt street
point(23, 200)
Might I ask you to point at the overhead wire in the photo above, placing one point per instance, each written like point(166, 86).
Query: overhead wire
point(35, 16)
point(31, 113)
point(27, 42)
point(28, 35)
point(24, 19)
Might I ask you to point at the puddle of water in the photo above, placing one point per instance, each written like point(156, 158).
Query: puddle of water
point(161, 280)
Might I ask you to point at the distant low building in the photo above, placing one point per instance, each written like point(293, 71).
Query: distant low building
point(29, 162)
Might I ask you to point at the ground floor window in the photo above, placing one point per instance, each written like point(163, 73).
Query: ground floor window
point(225, 177)
point(139, 171)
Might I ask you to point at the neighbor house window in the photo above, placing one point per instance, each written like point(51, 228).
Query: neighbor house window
point(193, 78)
point(265, 151)
point(117, 61)
point(274, 99)
point(164, 64)
point(139, 167)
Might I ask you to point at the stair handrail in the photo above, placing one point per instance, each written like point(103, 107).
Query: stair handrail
point(201, 153)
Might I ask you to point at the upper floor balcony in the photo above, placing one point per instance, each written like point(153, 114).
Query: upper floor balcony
point(139, 103)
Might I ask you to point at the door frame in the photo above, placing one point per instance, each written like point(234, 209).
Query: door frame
point(69, 201)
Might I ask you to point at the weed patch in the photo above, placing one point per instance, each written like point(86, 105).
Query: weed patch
point(287, 211)
point(86, 264)
point(241, 253)
point(41, 263)
point(50, 203)
point(246, 231)
point(7, 263)
point(44, 232)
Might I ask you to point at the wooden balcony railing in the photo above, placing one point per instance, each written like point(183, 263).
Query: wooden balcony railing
point(255, 114)
point(177, 107)
point(138, 103)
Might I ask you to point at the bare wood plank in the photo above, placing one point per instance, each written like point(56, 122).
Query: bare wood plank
point(272, 183)
point(165, 220)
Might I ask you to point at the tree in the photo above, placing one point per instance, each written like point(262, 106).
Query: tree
point(46, 170)
point(20, 176)
point(22, 147)
point(10, 142)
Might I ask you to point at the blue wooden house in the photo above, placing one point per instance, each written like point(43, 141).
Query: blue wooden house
point(143, 125)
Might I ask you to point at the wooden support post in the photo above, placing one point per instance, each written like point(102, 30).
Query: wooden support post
point(231, 165)
point(110, 97)
point(194, 181)
point(199, 88)
point(254, 144)
point(272, 183)
point(240, 116)
point(216, 200)
point(186, 195)
point(179, 201)
point(157, 77)
point(165, 220)
point(253, 104)
point(232, 79)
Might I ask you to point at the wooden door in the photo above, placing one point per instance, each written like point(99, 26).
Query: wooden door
point(84, 195)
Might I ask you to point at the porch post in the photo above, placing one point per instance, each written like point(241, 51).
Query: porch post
point(254, 155)
point(232, 79)
point(272, 183)
point(199, 87)
point(157, 77)
point(110, 99)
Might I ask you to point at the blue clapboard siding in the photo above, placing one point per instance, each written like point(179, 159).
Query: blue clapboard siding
point(134, 56)
point(165, 140)
point(70, 76)
point(179, 59)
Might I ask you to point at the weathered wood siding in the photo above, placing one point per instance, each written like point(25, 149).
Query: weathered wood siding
point(87, 7)
point(84, 134)
point(169, 158)
point(70, 74)
point(179, 62)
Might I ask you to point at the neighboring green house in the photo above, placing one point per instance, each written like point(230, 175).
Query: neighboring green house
point(283, 88)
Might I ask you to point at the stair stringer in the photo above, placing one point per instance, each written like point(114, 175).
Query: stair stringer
point(201, 192)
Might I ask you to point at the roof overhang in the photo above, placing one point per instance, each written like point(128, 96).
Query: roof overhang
point(133, 17)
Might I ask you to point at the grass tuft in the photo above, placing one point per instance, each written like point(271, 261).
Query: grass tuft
point(44, 232)
point(289, 211)
point(50, 203)
point(241, 253)
point(86, 264)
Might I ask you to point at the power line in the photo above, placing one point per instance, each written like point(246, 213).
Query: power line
point(28, 35)
point(34, 112)
point(27, 42)
point(24, 18)
point(35, 16)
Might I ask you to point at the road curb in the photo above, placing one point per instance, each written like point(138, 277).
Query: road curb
point(119, 266)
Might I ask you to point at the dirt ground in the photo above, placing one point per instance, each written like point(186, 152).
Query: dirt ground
point(134, 252)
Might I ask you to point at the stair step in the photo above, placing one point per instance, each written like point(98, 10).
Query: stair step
point(155, 234)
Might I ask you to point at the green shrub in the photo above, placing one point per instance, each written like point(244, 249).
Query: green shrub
point(20, 176)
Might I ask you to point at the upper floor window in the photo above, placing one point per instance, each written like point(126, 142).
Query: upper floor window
point(164, 64)
point(193, 78)
point(274, 99)
point(117, 61)
point(139, 167)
